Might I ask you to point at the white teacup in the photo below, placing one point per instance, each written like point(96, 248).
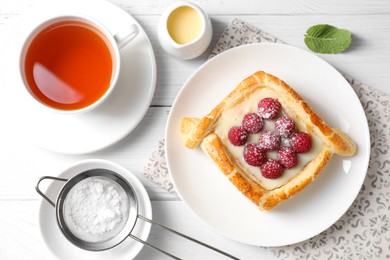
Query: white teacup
point(71, 63)
point(184, 30)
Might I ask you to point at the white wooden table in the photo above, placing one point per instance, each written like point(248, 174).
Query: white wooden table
point(368, 60)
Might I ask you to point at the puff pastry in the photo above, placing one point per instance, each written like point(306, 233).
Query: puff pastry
point(210, 133)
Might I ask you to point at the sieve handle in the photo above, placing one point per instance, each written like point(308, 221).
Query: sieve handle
point(179, 234)
point(41, 193)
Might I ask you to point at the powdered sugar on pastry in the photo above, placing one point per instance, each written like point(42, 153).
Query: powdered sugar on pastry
point(233, 116)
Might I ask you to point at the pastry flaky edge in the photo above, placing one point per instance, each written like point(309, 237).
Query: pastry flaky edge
point(199, 132)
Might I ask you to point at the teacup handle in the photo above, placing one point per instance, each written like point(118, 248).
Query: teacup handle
point(41, 193)
point(126, 35)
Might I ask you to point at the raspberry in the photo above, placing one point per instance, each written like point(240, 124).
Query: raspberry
point(252, 123)
point(269, 140)
point(287, 157)
point(300, 142)
point(254, 155)
point(271, 169)
point(237, 135)
point(269, 108)
point(284, 126)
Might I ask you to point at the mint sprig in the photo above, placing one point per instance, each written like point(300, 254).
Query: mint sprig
point(327, 39)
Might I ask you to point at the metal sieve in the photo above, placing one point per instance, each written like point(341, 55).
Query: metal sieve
point(132, 216)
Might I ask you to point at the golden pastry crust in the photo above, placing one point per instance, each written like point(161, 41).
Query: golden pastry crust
point(201, 132)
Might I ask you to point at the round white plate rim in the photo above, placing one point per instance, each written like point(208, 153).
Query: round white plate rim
point(144, 205)
point(101, 8)
point(169, 133)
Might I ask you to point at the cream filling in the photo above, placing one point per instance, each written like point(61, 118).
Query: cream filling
point(233, 117)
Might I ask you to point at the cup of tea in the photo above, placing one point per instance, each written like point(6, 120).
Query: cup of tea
point(71, 63)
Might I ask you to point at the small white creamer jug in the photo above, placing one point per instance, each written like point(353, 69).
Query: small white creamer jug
point(184, 30)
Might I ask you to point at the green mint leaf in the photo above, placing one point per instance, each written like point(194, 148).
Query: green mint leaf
point(327, 39)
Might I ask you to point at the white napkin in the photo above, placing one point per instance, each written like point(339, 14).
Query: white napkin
point(364, 230)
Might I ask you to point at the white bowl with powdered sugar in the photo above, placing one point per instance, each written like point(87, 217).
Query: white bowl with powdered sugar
point(84, 200)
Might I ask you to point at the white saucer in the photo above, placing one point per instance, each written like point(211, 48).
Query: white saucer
point(311, 211)
point(61, 248)
point(107, 124)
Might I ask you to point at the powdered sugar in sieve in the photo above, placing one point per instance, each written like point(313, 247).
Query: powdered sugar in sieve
point(96, 209)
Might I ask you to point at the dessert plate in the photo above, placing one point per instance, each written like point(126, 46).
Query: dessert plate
point(61, 248)
point(211, 196)
point(103, 126)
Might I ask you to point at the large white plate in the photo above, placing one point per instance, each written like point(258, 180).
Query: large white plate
point(61, 248)
point(215, 200)
point(96, 129)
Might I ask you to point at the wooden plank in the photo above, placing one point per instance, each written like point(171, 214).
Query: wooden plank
point(21, 238)
point(20, 234)
point(234, 7)
point(177, 216)
point(264, 7)
point(132, 153)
